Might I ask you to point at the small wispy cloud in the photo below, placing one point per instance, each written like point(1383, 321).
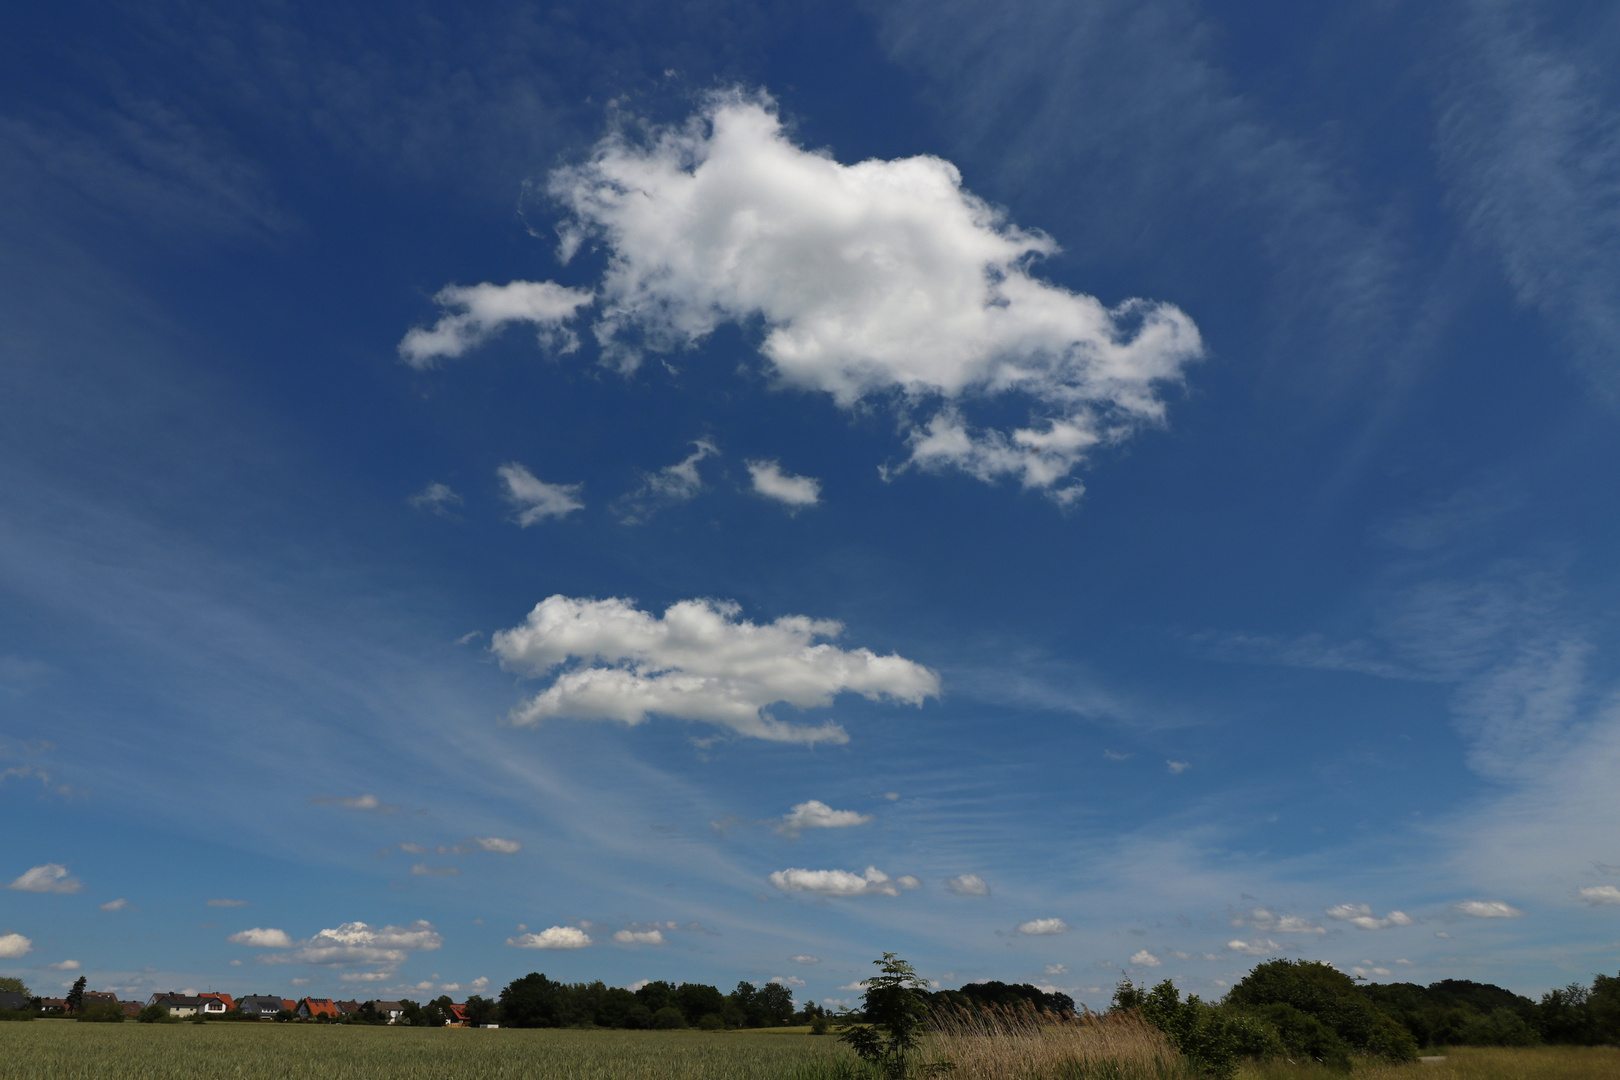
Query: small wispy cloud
point(424, 870)
point(1361, 915)
point(794, 492)
point(535, 500)
point(1177, 767)
point(1600, 894)
point(436, 498)
point(1257, 947)
point(1486, 909)
point(967, 885)
point(357, 802)
point(115, 905)
point(672, 484)
point(47, 878)
point(815, 814)
point(554, 937)
point(1038, 927)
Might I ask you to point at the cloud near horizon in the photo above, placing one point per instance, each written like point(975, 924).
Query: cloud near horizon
point(696, 662)
point(882, 279)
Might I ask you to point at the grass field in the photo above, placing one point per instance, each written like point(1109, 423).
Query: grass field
point(1470, 1063)
point(61, 1050)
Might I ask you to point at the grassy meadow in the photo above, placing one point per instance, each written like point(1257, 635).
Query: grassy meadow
point(62, 1050)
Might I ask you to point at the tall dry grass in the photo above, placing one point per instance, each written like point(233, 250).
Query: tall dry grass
point(1001, 1043)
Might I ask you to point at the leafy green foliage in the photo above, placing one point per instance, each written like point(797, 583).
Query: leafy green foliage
point(895, 1009)
point(102, 1012)
point(15, 985)
point(75, 998)
point(154, 1014)
point(1332, 997)
point(1202, 1032)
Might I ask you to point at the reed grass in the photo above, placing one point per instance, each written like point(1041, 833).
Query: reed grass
point(1001, 1043)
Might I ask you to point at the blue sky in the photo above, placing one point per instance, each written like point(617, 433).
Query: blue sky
point(721, 491)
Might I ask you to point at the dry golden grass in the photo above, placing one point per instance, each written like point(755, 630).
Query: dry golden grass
point(1020, 1044)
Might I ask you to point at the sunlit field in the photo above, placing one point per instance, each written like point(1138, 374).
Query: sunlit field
point(64, 1050)
point(1124, 1050)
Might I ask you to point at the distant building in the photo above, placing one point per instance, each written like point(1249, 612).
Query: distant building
point(262, 1006)
point(309, 1008)
point(390, 1011)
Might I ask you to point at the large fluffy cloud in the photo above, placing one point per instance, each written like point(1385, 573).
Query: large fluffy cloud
point(882, 278)
point(49, 878)
point(696, 662)
point(354, 943)
point(873, 882)
point(14, 945)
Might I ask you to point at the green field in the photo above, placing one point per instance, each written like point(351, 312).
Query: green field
point(62, 1050)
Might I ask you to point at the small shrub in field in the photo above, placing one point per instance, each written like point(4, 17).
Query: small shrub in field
point(154, 1014)
point(1304, 1037)
point(102, 1012)
point(668, 1019)
point(711, 1022)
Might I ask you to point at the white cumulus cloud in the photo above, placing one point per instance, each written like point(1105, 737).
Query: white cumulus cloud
point(1486, 909)
point(1362, 915)
point(967, 885)
point(49, 878)
point(473, 313)
point(554, 937)
point(639, 937)
point(1043, 926)
point(360, 943)
point(65, 965)
point(115, 905)
point(696, 662)
point(1257, 947)
point(535, 500)
point(802, 959)
point(1601, 894)
point(263, 937)
point(786, 980)
point(882, 279)
point(815, 814)
point(873, 882)
point(795, 491)
point(13, 946)
point(1143, 958)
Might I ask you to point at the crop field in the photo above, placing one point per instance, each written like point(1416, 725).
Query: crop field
point(62, 1050)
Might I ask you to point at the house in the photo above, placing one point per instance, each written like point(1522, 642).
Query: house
point(309, 1008)
point(263, 1006)
point(52, 1005)
point(223, 999)
point(182, 1005)
point(132, 1009)
point(289, 1004)
point(99, 997)
point(458, 1016)
point(347, 1008)
point(390, 1011)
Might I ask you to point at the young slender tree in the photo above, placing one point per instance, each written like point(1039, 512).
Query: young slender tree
point(895, 1011)
point(75, 998)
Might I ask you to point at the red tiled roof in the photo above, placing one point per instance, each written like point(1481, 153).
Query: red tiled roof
point(226, 998)
point(289, 1005)
point(320, 1006)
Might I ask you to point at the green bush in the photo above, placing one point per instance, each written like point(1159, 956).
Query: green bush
point(102, 1012)
point(1328, 994)
point(711, 1022)
point(155, 1014)
point(668, 1019)
point(1304, 1037)
point(16, 1014)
